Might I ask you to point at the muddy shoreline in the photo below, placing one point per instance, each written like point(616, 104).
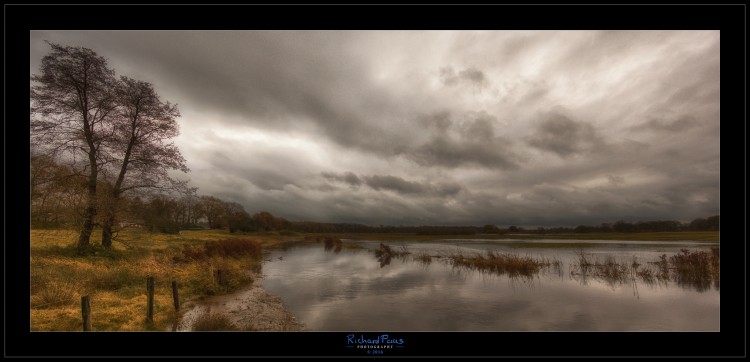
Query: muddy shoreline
point(251, 308)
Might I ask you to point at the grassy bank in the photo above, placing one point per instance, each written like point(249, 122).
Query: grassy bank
point(116, 279)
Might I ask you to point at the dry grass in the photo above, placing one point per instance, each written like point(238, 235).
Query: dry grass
point(331, 243)
point(116, 279)
point(54, 295)
point(695, 269)
point(500, 263)
point(423, 258)
point(385, 253)
point(387, 250)
point(609, 270)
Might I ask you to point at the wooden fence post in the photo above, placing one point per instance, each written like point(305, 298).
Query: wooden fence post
point(86, 313)
point(175, 296)
point(150, 293)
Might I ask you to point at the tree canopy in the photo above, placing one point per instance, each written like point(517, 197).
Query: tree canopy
point(114, 132)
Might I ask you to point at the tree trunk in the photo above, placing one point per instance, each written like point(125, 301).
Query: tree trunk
point(107, 231)
point(110, 211)
point(88, 226)
point(115, 195)
point(88, 218)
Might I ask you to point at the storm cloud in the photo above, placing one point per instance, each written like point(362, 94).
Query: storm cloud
point(394, 184)
point(561, 135)
point(472, 76)
point(438, 127)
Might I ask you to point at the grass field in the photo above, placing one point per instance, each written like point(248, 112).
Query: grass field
point(116, 279)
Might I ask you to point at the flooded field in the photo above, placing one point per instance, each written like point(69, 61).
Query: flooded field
point(453, 285)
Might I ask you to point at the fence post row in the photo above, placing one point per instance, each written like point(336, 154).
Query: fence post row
point(86, 304)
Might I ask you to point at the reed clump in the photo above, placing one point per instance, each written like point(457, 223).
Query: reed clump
point(388, 250)
point(609, 270)
point(331, 243)
point(698, 269)
point(423, 258)
point(385, 253)
point(500, 263)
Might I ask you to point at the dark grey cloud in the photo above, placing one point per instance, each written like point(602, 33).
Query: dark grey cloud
point(395, 184)
point(565, 137)
point(446, 152)
point(402, 186)
point(438, 127)
point(480, 127)
point(668, 125)
point(470, 142)
point(261, 175)
point(472, 76)
point(349, 178)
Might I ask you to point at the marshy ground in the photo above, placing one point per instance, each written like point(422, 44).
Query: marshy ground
point(698, 269)
point(219, 275)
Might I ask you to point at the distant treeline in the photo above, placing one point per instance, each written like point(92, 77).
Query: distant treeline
point(58, 200)
point(701, 224)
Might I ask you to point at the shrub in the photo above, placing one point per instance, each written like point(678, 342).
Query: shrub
point(53, 295)
point(224, 248)
point(234, 247)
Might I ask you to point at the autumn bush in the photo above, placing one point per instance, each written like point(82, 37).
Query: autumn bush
point(224, 248)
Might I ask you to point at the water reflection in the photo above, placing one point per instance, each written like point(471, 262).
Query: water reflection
point(333, 246)
point(368, 288)
point(698, 270)
point(385, 253)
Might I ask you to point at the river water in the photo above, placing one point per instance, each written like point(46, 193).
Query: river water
point(350, 289)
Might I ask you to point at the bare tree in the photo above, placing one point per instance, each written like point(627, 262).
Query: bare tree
point(213, 210)
point(72, 103)
point(57, 195)
point(188, 198)
point(141, 148)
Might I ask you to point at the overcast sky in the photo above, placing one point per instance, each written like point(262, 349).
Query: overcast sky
point(438, 127)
